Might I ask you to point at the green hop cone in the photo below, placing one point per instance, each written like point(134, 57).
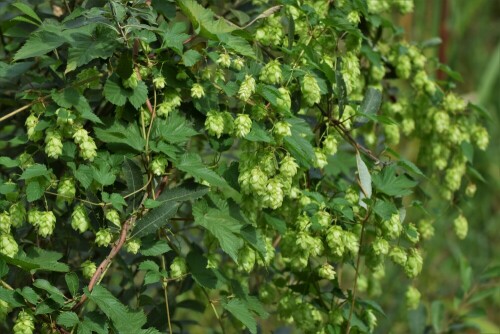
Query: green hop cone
point(403, 67)
point(114, 217)
point(330, 145)
point(224, 60)
point(282, 129)
point(321, 159)
point(411, 233)
point(5, 222)
point(159, 82)
point(79, 219)
point(88, 149)
point(53, 144)
point(8, 245)
point(380, 246)
point(158, 165)
point(284, 101)
point(242, 125)
point(103, 237)
point(171, 101)
point(412, 298)
point(46, 224)
point(273, 194)
point(271, 73)
point(310, 90)
point(238, 63)
point(17, 213)
point(88, 269)
point(247, 88)
point(335, 241)
point(461, 226)
point(425, 229)
point(327, 271)
point(214, 123)
point(178, 268)
point(4, 310)
point(25, 323)
point(392, 228)
point(31, 123)
point(370, 319)
point(132, 246)
point(288, 166)
point(414, 263)
point(66, 189)
point(132, 81)
point(398, 255)
point(197, 91)
point(246, 259)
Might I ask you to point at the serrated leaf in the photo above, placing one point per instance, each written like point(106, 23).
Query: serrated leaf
point(85, 47)
point(224, 228)
point(14, 298)
point(118, 133)
point(191, 163)
point(385, 209)
point(202, 275)
point(47, 38)
point(93, 322)
point(68, 319)
point(8, 162)
point(184, 192)
point(175, 129)
point(258, 134)
point(34, 171)
point(72, 283)
point(174, 36)
point(124, 320)
point(191, 57)
point(298, 146)
point(155, 219)
point(84, 175)
point(43, 284)
point(237, 44)
point(4, 268)
point(278, 224)
point(370, 104)
point(30, 295)
point(392, 184)
point(26, 10)
point(240, 311)
point(115, 93)
point(134, 179)
point(34, 190)
point(70, 97)
point(43, 260)
point(155, 249)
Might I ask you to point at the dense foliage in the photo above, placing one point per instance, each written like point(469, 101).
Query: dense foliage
point(241, 161)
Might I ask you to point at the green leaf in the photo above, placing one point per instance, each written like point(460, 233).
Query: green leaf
point(365, 180)
point(68, 319)
point(93, 322)
point(72, 98)
point(8, 162)
point(118, 133)
point(26, 10)
point(202, 275)
point(30, 295)
point(85, 47)
point(115, 93)
point(392, 184)
point(300, 147)
point(46, 286)
point(203, 20)
point(72, 283)
point(237, 44)
point(124, 320)
point(155, 249)
point(174, 36)
point(35, 170)
point(85, 175)
point(191, 57)
point(437, 315)
point(149, 265)
point(4, 268)
point(34, 190)
point(191, 163)
point(240, 311)
point(134, 179)
point(14, 298)
point(184, 192)
point(370, 104)
point(223, 227)
point(175, 129)
point(47, 38)
point(278, 224)
point(43, 260)
point(155, 219)
point(258, 134)
point(384, 209)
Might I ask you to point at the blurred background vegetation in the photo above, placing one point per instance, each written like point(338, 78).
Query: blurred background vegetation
point(470, 34)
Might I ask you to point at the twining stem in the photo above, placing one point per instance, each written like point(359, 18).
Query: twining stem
point(165, 292)
point(215, 310)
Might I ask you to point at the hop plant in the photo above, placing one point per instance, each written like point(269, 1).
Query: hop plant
point(170, 102)
point(247, 88)
point(4, 310)
point(132, 81)
point(178, 268)
point(288, 166)
point(197, 91)
point(246, 259)
point(66, 189)
point(282, 129)
point(17, 213)
point(79, 219)
point(25, 323)
point(412, 298)
point(414, 263)
point(460, 226)
point(271, 73)
point(5, 222)
point(8, 245)
point(242, 125)
point(214, 123)
point(103, 237)
point(158, 165)
point(53, 144)
point(114, 217)
point(46, 223)
point(310, 90)
point(88, 148)
point(159, 82)
point(238, 63)
point(31, 123)
point(88, 269)
point(133, 246)
point(224, 60)
point(326, 271)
